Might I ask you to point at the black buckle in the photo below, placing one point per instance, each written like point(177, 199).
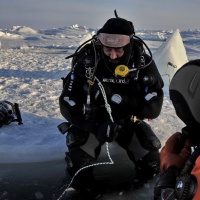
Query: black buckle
point(63, 127)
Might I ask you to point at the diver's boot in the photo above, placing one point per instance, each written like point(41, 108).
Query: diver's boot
point(83, 186)
point(70, 194)
point(73, 193)
point(147, 167)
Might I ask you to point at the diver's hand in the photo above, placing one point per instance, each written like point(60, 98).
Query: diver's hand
point(107, 132)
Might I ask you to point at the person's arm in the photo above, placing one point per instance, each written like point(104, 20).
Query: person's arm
point(196, 173)
point(151, 103)
point(72, 101)
point(173, 157)
point(150, 108)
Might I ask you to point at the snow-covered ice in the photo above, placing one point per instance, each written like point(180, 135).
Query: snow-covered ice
point(32, 63)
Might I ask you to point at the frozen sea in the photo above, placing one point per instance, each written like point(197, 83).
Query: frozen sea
point(32, 63)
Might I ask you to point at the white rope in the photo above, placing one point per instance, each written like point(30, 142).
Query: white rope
point(108, 108)
point(88, 166)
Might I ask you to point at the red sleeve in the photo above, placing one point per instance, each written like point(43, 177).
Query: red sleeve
point(196, 172)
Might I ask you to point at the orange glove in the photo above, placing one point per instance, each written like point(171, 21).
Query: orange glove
point(196, 172)
point(174, 153)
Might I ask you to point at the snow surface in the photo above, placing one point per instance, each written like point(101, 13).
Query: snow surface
point(32, 63)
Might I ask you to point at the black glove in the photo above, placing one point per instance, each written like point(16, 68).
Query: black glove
point(107, 132)
point(166, 180)
point(146, 136)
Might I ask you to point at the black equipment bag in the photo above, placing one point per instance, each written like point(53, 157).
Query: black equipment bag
point(9, 112)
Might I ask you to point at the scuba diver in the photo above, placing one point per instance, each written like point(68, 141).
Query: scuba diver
point(179, 158)
point(114, 84)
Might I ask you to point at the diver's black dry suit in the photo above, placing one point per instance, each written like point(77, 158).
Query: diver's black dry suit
point(133, 101)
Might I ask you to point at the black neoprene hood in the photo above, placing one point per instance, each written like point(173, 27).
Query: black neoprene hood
point(185, 93)
point(117, 26)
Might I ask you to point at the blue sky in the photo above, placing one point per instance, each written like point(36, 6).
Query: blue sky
point(145, 14)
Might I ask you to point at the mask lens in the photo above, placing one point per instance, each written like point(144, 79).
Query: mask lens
point(113, 40)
